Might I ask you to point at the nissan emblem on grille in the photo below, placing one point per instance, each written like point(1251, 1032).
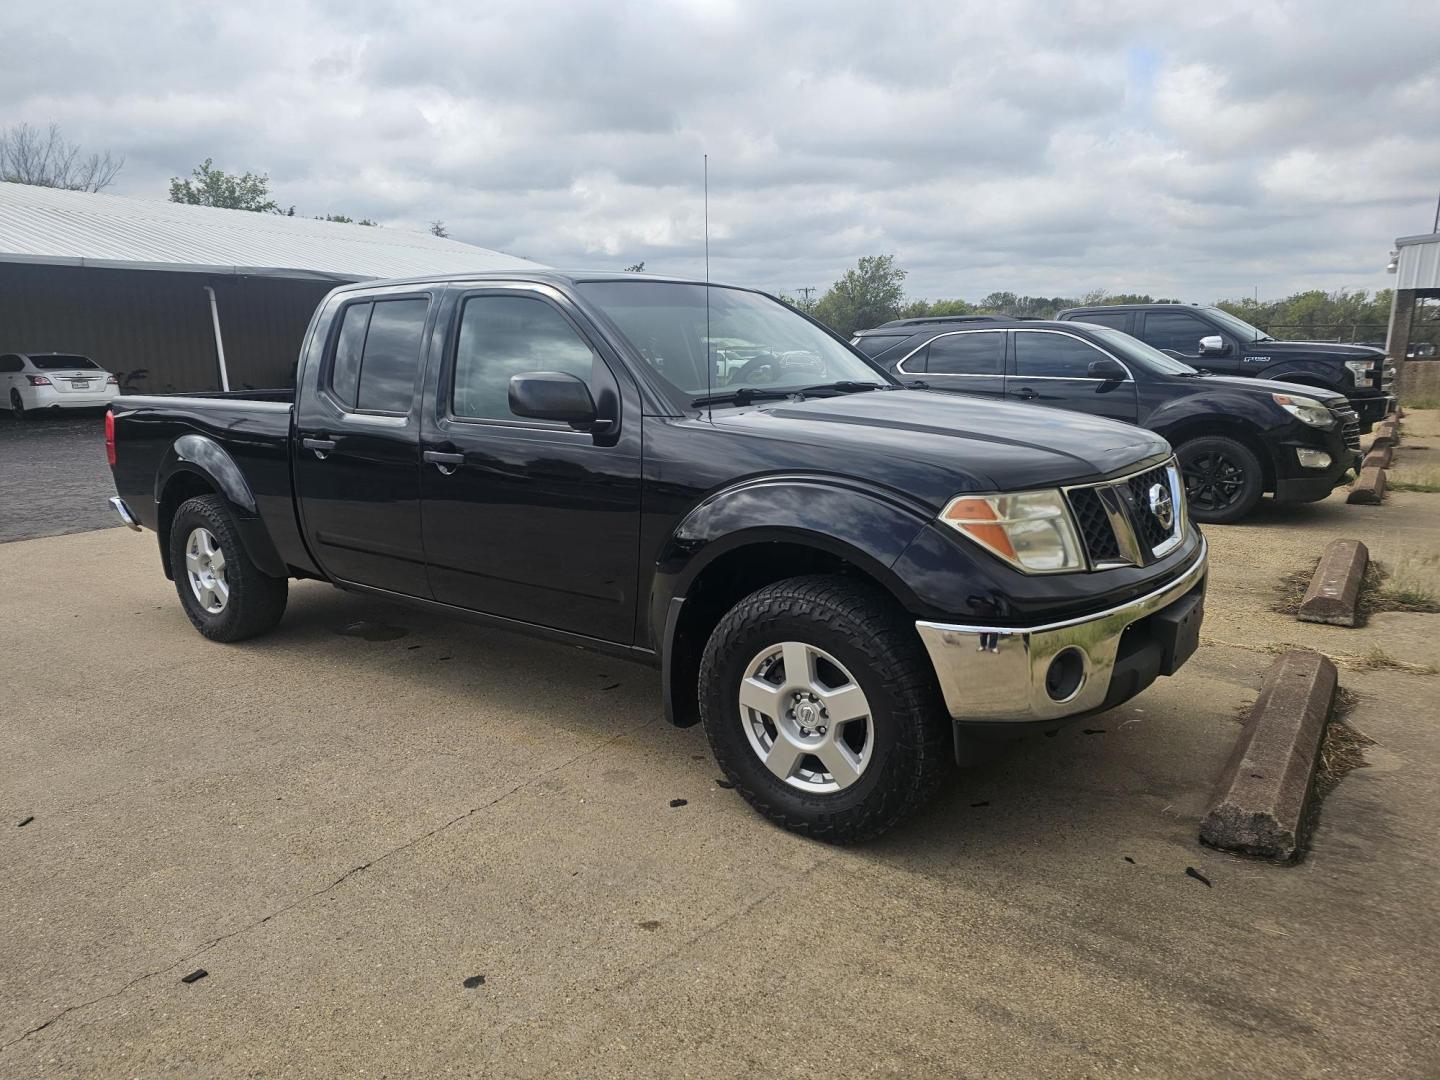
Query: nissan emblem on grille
point(1161, 505)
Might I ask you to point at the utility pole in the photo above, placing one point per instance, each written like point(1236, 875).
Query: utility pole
point(805, 292)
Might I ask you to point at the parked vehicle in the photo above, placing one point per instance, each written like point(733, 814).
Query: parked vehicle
point(1235, 438)
point(31, 382)
point(844, 580)
point(1214, 340)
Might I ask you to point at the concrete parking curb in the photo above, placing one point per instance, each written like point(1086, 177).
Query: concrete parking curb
point(1259, 808)
point(1386, 435)
point(1369, 487)
point(1378, 458)
point(1334, 589)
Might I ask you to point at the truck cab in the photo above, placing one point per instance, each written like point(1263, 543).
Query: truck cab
point(1213, 340)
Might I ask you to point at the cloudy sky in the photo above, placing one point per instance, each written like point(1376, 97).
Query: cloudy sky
point(1194, 150)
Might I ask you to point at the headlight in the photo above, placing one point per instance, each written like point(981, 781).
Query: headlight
point(1031, 530)
point(1307, 410)
point(1360, 368)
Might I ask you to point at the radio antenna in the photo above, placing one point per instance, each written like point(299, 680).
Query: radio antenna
point(709, 363)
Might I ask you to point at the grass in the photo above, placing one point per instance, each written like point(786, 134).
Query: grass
point(1342, 750)
point(1420, 401)
point(1405, 588)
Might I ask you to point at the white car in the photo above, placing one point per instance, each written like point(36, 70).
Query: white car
point(34, 381)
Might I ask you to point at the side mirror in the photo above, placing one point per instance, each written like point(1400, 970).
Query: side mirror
point(1213, 345)
point(552, 395)
point(1107, 369)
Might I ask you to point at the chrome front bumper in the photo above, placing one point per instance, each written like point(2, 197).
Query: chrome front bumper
point(1000, 673)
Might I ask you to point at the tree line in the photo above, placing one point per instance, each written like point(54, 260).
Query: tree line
point(873, 291)
point(45, 158)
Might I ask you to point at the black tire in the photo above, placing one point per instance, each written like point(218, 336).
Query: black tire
point(255, 601)
point(17, 406)
point(860, 627)
point(1223, 479)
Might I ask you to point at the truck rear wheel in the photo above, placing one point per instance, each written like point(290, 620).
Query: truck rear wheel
point(226, 596)
point(821, 707)
point(1223, 479)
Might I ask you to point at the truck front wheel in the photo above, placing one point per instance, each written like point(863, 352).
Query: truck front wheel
point(226, 596)
point(821, 707)
point(1223, 479)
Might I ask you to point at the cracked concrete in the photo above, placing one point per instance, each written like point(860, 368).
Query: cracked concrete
point(347, 831)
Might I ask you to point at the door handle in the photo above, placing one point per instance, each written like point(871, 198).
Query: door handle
point(322, 447)
point(1025, 393)
point(447, 463)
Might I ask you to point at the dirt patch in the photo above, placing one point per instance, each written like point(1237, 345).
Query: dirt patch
point(1380, 591)
point(1375, 659)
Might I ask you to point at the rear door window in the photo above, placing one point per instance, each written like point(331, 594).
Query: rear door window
point(1054, 356)
point(377, 355)
point(967, 354)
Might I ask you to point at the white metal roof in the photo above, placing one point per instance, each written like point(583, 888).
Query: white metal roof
point(1419, 262)
point(75, 228)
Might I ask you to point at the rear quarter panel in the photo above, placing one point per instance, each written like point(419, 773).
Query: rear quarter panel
point(158, 437)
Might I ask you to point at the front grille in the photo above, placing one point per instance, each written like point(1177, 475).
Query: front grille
point(1094, 525)
point(1150, 528)
point(1349, 427)
point(1116, 521)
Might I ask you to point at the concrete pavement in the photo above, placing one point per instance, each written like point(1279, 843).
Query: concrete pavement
point(344, 821)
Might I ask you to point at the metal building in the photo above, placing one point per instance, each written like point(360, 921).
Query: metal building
point(1415, 262)
point(168, 296)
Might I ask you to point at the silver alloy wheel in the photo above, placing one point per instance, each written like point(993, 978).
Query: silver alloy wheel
point(806, 717)
point(205, 567)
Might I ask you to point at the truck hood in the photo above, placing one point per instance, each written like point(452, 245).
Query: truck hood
point(948, 444)
point(1327, 350)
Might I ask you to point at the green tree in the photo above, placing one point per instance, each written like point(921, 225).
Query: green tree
point(209, 186)
point(637, 268)
point(343, 219)
point(867, 295)
point(437, 228)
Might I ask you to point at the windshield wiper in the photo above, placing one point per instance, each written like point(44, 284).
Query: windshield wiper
point(745, 394)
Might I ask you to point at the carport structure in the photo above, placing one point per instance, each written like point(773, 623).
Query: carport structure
point(177, 298)
point(1416, 265)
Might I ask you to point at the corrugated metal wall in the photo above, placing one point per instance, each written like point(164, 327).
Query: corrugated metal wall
point(152, 327)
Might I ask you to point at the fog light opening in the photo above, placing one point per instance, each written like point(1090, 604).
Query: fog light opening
point(1065, 675)
point(1313, 459)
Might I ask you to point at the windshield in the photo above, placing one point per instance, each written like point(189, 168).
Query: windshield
point(61, 363)
point(1134, 350)
point(1238, 326)
point(753, 341)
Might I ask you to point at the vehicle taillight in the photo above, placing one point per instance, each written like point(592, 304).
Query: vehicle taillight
point(39, 380)
point(112, 381)
point(110, 437)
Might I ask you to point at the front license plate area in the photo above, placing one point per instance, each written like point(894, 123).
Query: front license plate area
point(1177, 628)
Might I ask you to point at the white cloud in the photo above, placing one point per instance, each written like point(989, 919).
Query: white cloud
point(1027, 146)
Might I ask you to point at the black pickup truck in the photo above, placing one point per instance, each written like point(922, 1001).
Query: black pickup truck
point(1235, 438)
point(1214, 340)
point(844, 580)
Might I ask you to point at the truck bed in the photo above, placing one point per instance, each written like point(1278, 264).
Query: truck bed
point(252, 427)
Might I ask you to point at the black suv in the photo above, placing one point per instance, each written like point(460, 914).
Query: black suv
point(1235, 438)
point(1215, 340)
